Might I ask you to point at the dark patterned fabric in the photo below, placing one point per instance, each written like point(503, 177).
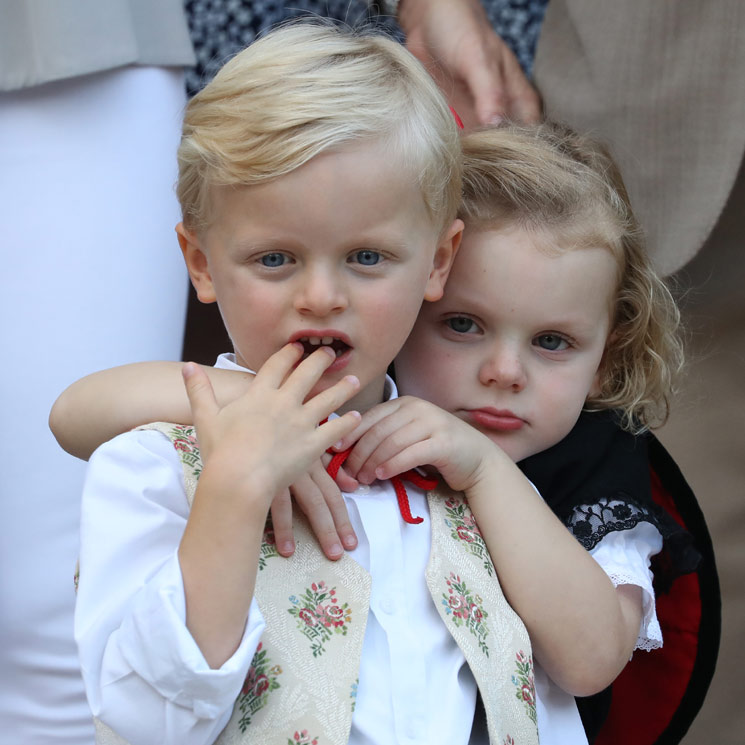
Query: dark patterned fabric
point(221, 28)
point(518, 22)
point(597, 481)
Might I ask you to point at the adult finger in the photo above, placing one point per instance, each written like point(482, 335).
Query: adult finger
point(524, 103)
point(488, 90)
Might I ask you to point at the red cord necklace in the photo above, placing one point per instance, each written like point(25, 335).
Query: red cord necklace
point(423, 482)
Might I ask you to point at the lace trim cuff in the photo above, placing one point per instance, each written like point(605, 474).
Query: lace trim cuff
point(650, 633)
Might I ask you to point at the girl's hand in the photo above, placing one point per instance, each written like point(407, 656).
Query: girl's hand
point(269, 437)
point(408, 432)
point(320, 499)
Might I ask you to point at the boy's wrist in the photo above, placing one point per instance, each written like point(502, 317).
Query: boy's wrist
point(251, 489)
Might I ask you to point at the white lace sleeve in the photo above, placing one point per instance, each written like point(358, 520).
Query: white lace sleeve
point(624, 556)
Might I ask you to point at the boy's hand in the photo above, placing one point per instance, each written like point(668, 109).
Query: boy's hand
point(408, 432)
point(320, 499)
point(270, 436)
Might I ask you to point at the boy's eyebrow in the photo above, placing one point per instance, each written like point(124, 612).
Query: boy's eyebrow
point(370, 240)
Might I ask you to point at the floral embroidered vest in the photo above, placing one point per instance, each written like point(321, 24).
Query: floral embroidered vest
point(302, 683)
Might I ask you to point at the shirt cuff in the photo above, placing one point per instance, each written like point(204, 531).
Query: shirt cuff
point(155, 644)
point(624, 555)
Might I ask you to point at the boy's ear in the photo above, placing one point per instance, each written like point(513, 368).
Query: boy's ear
point(442, 262)
point(196, 264)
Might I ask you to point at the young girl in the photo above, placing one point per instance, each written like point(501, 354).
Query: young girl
point(551, 308)
point(556, 339)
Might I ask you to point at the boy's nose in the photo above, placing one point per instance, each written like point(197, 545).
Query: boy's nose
point(504, 369)
point(321, 294)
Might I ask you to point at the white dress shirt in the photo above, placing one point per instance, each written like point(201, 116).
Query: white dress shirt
point(147, 679)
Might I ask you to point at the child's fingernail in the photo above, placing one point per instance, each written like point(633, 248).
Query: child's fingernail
point(335, 549)
point(349, 541)
point(188, 369)
point(287, 548)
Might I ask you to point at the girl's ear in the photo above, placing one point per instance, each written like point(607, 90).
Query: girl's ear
point(196, 263)
point(442, 262)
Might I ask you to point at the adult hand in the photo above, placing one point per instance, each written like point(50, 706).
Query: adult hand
point(476, 70)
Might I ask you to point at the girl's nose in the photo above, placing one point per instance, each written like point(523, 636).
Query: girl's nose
point(503, 368)
point(321, 293)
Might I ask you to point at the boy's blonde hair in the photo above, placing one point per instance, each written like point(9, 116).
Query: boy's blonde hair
point(307, 88)
point(550, 179)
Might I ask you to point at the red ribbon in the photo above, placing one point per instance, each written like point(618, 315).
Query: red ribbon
point(458, 120)
point(423, 482)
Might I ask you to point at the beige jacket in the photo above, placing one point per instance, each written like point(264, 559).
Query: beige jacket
point(46, 40)
point(663, 83)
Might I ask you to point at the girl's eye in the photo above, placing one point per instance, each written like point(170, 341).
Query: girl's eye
point(551, 342)
point(273, 260)
point(366, 257)
point(461, 325)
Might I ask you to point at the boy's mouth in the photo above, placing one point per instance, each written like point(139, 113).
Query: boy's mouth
point(311, 343)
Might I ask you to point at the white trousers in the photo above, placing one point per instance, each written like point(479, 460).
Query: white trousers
point(93, 278)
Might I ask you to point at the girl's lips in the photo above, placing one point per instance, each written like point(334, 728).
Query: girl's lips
point(494, 419)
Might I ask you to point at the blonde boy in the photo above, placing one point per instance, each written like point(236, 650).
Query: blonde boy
point(319, 179)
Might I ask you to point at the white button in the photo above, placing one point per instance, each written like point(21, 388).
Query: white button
point(386, 605)
point(362, 489)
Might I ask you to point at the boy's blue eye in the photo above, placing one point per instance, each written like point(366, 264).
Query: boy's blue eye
point(273, 260)
point(461, 324)
point(551, 342)
point(366, 257)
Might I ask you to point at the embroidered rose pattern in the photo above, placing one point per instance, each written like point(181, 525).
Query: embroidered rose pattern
point(525, 683)
point(185, 441)
point(302, 738)
point(466, 610)
point(319, 615)
point(508, 740)
point(268, 545)
point(463, 528)
point(260, 682)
